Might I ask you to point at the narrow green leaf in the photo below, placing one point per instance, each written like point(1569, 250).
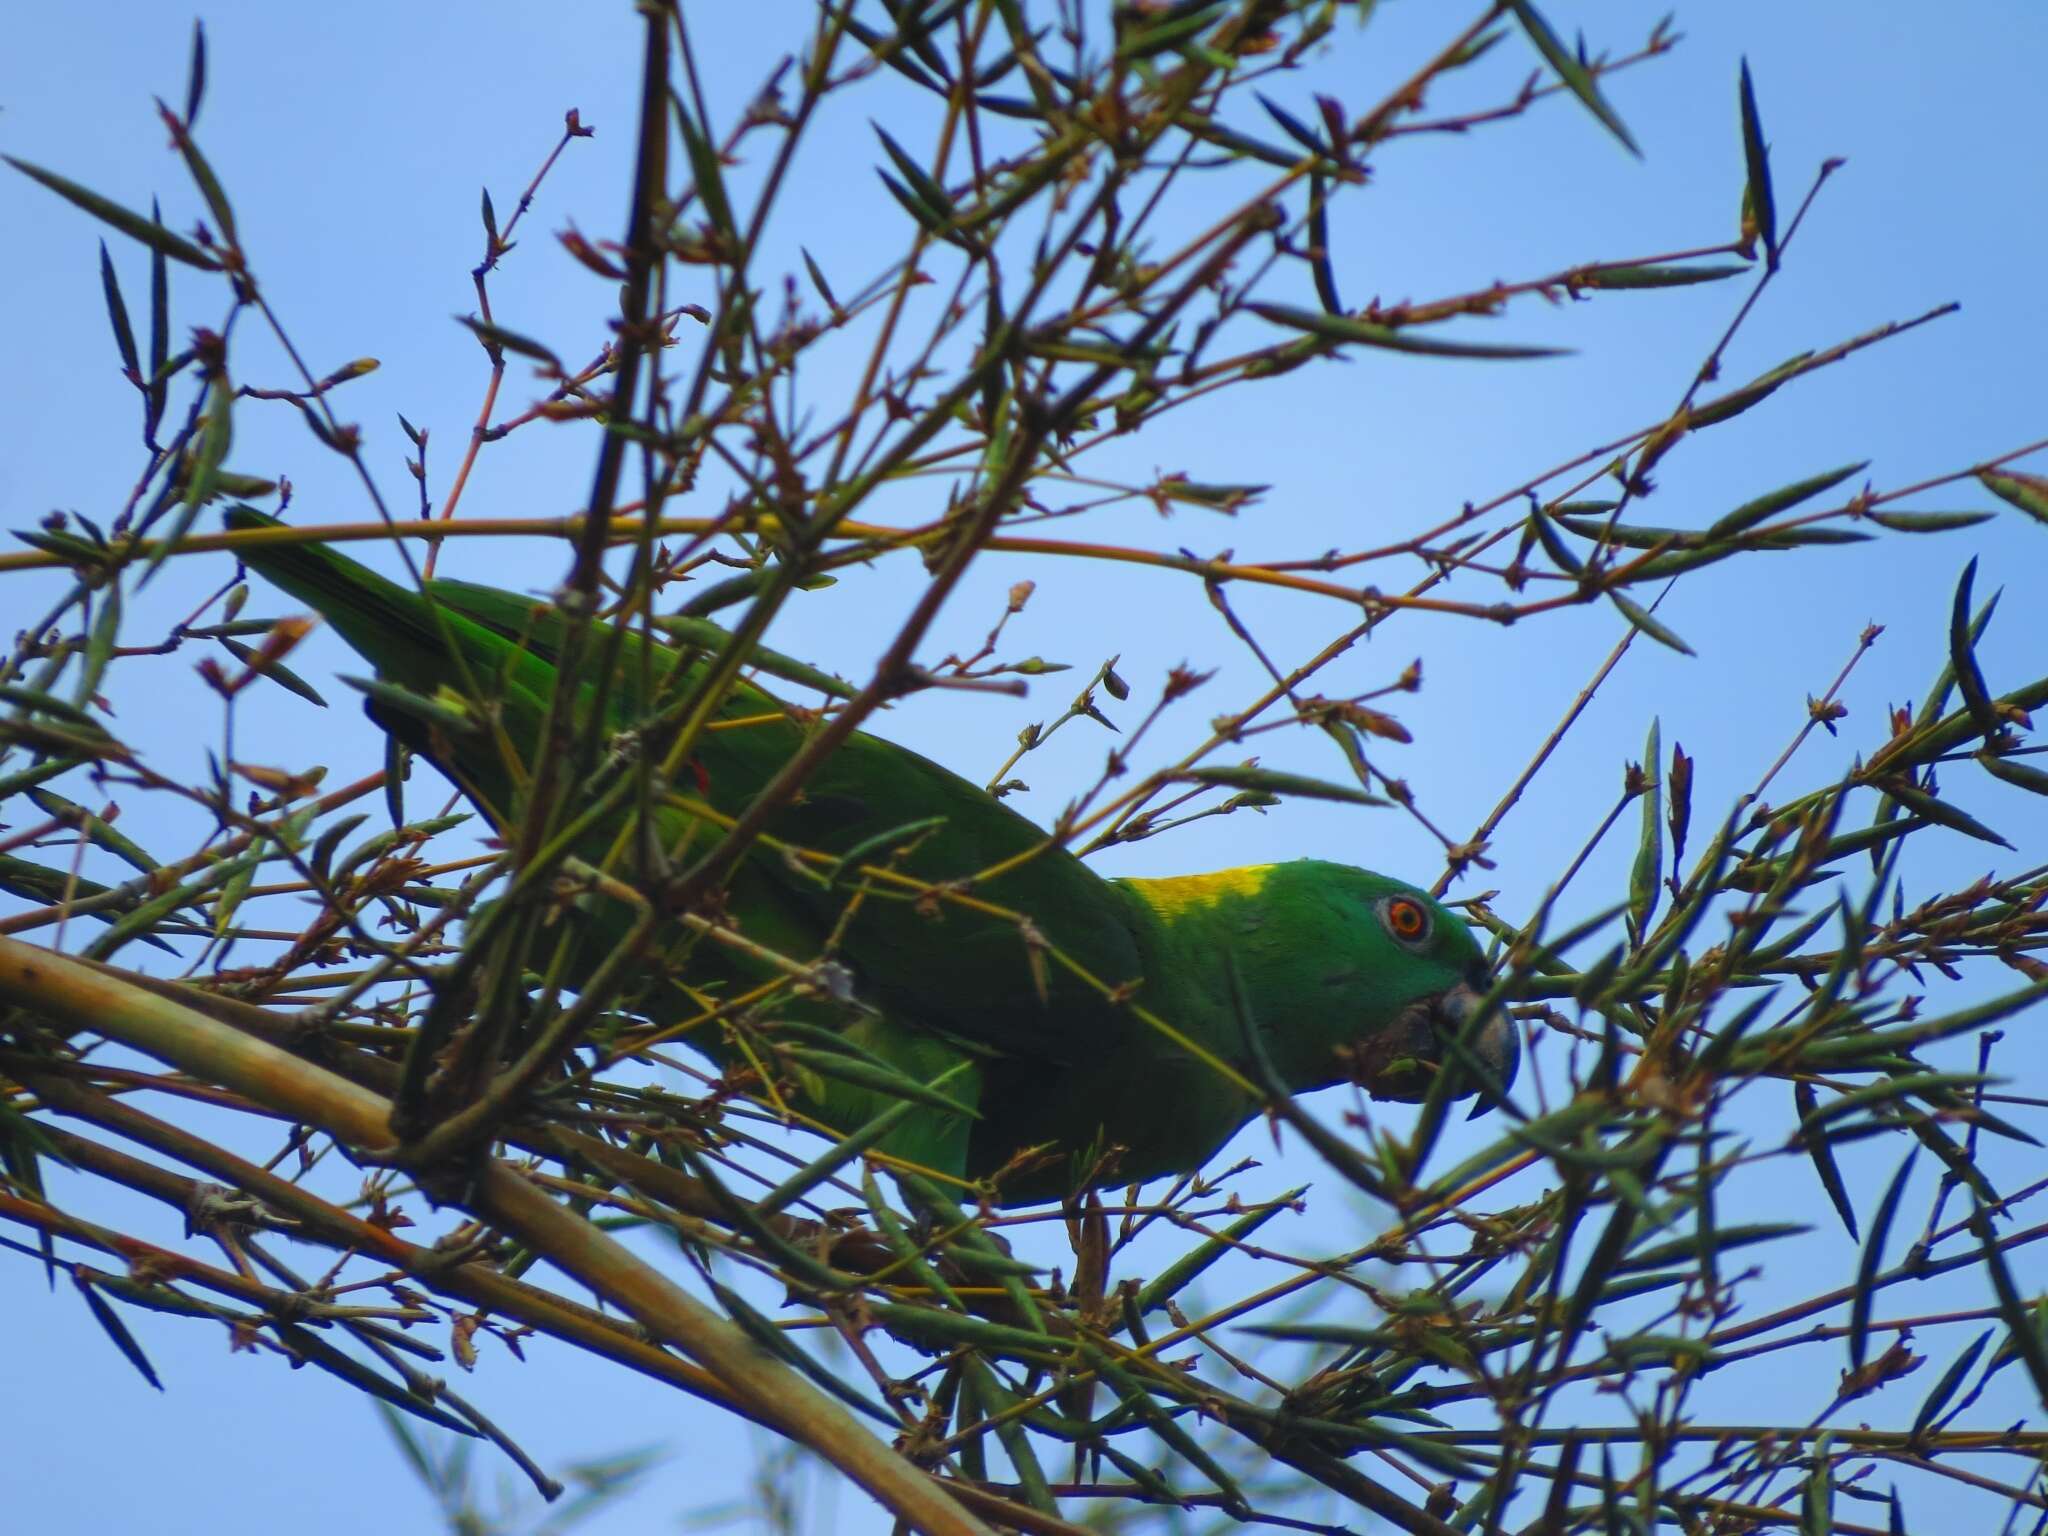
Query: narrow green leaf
point(2008, 1349)
point(1642, 619)
point(1367, 333)
point(201, 171)
point(130, 223)
point(1183, 1271)
point(1645, 878)
point(940, 1209)
point(1744, 396)
point(1223, 498)
point(1750, 513)
point(909, 1254)
point(1887, 1091)
point(1293, 126)
point(886, 48)
point(1656, 277)
point(1818, 1146)
point(1802, 538)
point(818, 281)
point(845, 1149)
point(1817, 1494)
point(916, 20)
point(375, 847)
point(2027, 492)
point(159, 383)
point(1147, 1478)
point(1612, 1244)
point(104, 1314)
point(2022, 1332)
point(926, 217)
point(1936, 701)
point(1273, 782)
point(1873, 1259)
point(308, 1345)
point(999, 1404)
point(2023, 775)
point(36, 703)
point(1940, 812)
point(100, 643)
point(1593, 525)
point(99, 833)
point(737, 589)
point(117, 316)
point(705, 171)
point(771, 1338)
point(1759, 203)
point(1324, 1333)
point(1927, 522)
point(1169, 1430)
point(1561, 554)
point(236, 888)
point(195, 76)
point(1142, 42)
point(397, 769)
point(883, 1080)
point(1837, 1051)
point(1952, 1378)
point(691, 630)
point(1611, 1515)
point(1962, 659)
point(799, 1262)
point(497, 338)
point(927, 189)
point(1682, 1248)
point(47, 887)
point(1577, 78)
point(322, 856)
point(824, 1039)
point(216, 436)
point(39, 773)
point(447, 712)
point(273, 669)
point(1322, 262)
point(849, 862)
point(988, 1261)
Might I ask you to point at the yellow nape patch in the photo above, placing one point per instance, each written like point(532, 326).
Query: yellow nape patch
point(1171, 895)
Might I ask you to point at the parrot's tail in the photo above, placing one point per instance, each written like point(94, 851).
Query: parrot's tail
point(396, 630)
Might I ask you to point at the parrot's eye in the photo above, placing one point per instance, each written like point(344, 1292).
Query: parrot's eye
point(1407, 920)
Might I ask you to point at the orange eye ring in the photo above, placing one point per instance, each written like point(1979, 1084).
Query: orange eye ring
point(1406, 919)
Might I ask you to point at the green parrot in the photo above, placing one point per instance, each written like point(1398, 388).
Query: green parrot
point(1066, 1031)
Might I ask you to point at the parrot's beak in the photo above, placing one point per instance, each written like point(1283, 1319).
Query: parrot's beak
point(1443, 1033)
point(1495, 1046)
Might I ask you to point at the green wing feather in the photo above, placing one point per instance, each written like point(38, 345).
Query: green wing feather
point(968, 974)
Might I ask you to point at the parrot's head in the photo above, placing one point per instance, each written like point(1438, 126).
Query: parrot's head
point(1355, 977)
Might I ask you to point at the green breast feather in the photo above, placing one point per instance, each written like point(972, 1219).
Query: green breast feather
point(1109, 1052)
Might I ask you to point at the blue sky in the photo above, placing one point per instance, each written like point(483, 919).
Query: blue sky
point(353, 143)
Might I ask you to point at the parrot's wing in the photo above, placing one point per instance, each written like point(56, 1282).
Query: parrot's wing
point(993, 962)
point(1019, 961)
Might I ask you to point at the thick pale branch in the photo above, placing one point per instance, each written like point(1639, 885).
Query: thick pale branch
point(85, 999)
